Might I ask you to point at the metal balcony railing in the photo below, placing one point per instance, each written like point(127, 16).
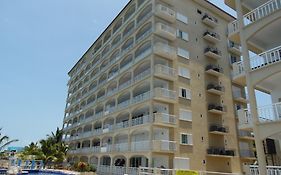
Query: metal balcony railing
point(256, 14)
point(266, 58)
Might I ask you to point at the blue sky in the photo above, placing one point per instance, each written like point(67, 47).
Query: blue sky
point(40, 41)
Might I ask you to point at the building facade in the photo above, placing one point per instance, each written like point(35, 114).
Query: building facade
point(257, 29)
point(155, 90)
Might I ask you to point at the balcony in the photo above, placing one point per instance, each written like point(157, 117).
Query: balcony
point(240, 97)
point(141, 120)
point(246, 135)
point(267, 58)
point(165, 95)
point(214, 70)
point(106, 149)
point(218, 129)
point(245, 120)
point(122, 125)
point(121, 147)
point(211, 37)
point(256, 14)
point(165, 72)
point(164, 119)
point(165, 13)
point(238, 73)
point(213, 53)
point(234, 48)
point(154, 145)
point(215, 89)
point(165, 31)
point(123, 104)
point(163, 146)
point(142, 75)
point(216, 109)
point(209, 21)
point(220, 152)
point(140, 146)
point(165, 50)
point(247, 154)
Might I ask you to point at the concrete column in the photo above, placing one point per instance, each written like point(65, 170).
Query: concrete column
point(251, 91)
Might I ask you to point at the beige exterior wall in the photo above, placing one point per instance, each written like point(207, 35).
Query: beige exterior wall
point(201, 98)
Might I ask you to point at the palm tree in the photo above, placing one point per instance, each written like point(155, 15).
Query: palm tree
point(4, 141)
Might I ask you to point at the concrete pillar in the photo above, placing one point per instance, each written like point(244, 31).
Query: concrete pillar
point(251, 91)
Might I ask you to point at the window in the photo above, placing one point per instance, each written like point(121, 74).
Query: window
point(182, 35)
point(182, 18)
point(184, 72)
point(183, 53)
point(185, 93)
point(185, 115)
point(186, 139)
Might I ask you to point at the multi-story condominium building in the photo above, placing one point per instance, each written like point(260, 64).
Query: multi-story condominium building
point(155, 90)
point(257, 29)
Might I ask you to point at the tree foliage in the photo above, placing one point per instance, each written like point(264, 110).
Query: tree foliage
point(50, 150)
point(5, 141)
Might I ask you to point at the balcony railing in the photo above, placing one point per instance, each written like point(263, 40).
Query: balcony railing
point(121, 147)
point(262, 11)
point(144, 35)
point(216, 108)
point(266, 58)
point(123, 104)
point(247, 153)
point(238, 69)
point(141, 120)
point(141, 97)
point(214, 68)
point(164, 145)
point(271, 170)
point(209, 20)
point(256, 14)
point(164, 118)
point(106, 148)
point(220, 151)
point(165, 12)
point(213, 52)
point(218, 128)
point(165, 70)
point(270, 112)
point(217, 89)
point(142, 75)
point(165, 93)
point(267, 113)
point(144, 54)
point(242, 133)
point(140, 146)
point(166, 31)
point(211, 36)
point(122, 125)
point(164, 50)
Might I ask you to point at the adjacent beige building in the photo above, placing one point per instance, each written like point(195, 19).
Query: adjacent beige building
point(158, 88)
point(257, 29)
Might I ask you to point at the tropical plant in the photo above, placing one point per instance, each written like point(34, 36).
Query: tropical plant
point(5, 141)
point(51, 150)
point(83, 167)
